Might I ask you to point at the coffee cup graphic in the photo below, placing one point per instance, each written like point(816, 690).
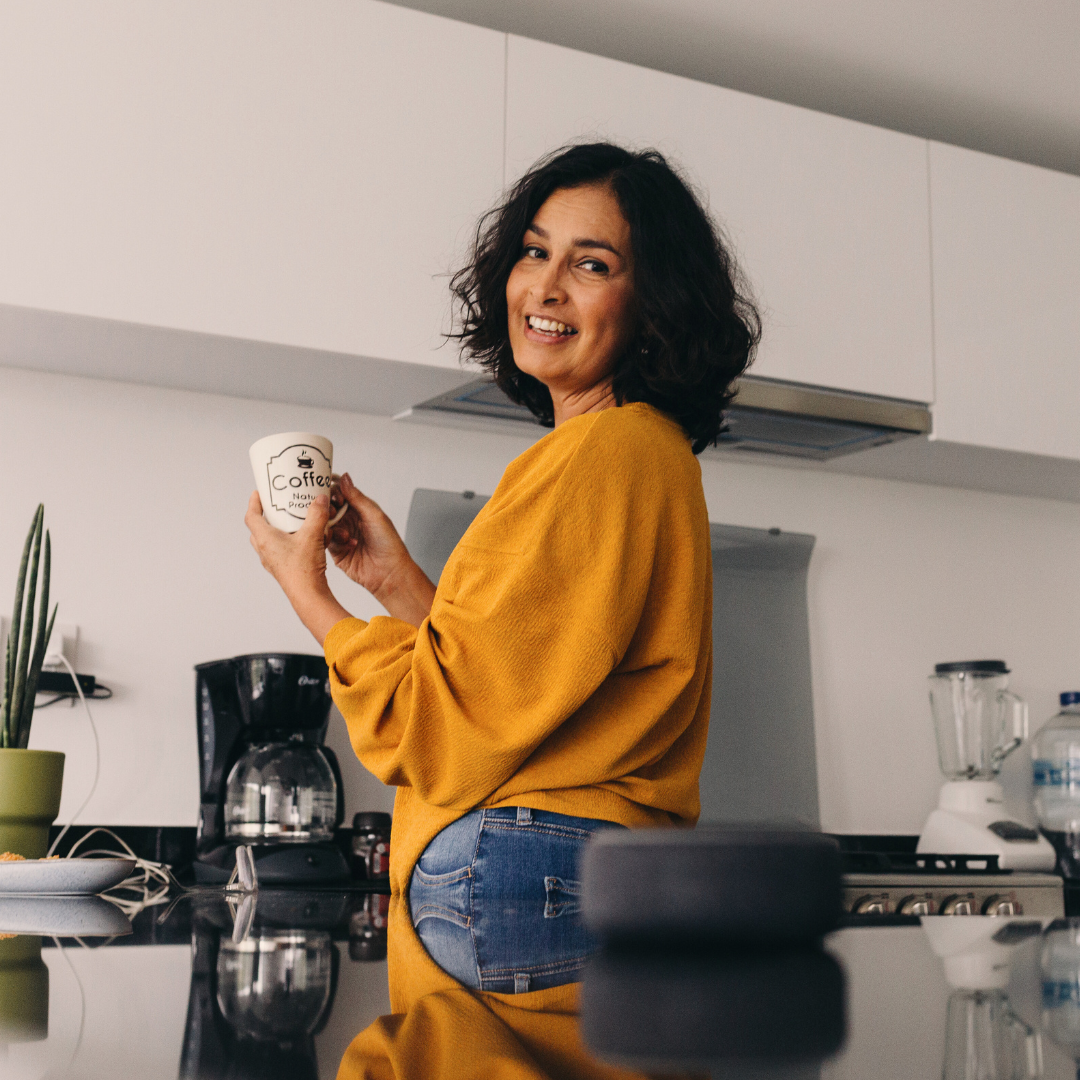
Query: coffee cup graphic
point(291, 470)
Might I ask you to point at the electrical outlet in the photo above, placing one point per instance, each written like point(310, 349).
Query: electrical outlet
point(65, 639)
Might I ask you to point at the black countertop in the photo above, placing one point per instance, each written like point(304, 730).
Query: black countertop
point(967, 997)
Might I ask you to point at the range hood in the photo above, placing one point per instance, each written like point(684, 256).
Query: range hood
point(767, 416)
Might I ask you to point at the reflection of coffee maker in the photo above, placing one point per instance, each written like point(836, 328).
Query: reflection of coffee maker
point(256, 1004)
point(265, 777)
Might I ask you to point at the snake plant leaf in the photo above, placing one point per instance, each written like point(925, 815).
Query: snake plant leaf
point(13, 632)
point(4, 743)
point(22, 665)
point(41, 640)
point(35, 669)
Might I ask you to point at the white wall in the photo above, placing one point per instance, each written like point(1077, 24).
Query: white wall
point(145, 491)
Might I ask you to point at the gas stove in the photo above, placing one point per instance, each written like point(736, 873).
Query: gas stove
point(885, 878)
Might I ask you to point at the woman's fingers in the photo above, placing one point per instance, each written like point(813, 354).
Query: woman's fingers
point(254, 507)
point(255, 521)
point(318, 513)
point(355, 497)
point(339, 539)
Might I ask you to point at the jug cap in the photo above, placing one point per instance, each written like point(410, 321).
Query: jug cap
point(370, 820)
point(975, 667)
point(1070, 697)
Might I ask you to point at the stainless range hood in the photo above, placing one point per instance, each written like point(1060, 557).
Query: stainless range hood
point(774, 417)
point(767, 416)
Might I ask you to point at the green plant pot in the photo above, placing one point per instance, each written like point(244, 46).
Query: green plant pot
point(30, 782)
point(24, 990)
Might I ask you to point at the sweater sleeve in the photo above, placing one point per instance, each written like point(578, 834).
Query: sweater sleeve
point(535, 608)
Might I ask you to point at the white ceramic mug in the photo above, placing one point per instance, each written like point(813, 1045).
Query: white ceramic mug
point(291, 469)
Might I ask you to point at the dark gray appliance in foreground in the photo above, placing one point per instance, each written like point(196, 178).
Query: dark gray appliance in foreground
point(768, 416)
point(761, 762)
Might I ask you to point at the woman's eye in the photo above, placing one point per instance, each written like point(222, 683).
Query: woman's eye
point(594, 265)
point(531, 251)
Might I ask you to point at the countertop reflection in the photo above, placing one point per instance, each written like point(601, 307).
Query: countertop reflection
point(305, 994)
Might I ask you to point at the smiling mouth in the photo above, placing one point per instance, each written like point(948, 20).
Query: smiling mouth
point(551, 327)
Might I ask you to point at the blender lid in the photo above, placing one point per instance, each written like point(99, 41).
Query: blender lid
point(982, 667)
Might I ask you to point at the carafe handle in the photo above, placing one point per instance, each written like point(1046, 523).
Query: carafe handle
point(1015, 726)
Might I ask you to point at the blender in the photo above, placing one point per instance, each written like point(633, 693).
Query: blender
point(978, 722)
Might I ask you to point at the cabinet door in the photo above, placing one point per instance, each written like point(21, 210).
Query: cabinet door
point(302, 173)
point(829, 217)
point(1006, 251)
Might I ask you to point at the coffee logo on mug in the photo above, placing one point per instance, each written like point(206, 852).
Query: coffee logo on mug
point(295, 480)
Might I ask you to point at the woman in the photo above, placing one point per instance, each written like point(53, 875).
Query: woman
point(557, 680)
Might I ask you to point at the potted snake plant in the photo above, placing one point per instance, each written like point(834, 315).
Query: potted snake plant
point(30, 780)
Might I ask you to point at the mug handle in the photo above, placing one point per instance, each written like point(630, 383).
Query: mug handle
point(1018, 723)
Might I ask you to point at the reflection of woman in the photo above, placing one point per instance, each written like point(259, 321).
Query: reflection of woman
point(453, 1033)
point(557, 680)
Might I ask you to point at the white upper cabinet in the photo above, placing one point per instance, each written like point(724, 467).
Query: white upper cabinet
point(1006, 248)
point(302, 173)
point(829, 217)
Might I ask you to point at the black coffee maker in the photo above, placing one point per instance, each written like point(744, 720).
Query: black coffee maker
point(265, 778)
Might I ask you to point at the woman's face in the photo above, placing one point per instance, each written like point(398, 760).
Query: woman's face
point(570, 296)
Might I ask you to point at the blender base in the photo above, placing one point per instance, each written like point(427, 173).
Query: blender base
point(971, 820)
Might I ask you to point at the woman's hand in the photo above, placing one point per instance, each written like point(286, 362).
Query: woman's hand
point(298, 562)
point(367, 547)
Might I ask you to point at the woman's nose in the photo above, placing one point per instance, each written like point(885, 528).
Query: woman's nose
point(550, 287)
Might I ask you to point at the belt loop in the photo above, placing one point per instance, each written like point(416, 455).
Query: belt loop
point(521, 984)
point(524, 817)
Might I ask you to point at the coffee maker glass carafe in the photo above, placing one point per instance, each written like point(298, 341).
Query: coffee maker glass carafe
point(281, 793)
point(978, 721)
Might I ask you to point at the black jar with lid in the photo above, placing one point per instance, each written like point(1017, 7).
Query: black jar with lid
point(371, 846)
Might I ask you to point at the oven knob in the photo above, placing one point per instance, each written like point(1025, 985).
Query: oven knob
point(1002, 905)
point(959, 905)
point(916, 905)
point(871, 905)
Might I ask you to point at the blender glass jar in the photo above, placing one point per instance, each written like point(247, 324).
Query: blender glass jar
point(978, 721)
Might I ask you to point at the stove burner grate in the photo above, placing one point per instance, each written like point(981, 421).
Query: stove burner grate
point(910, 862)
point(897, 855)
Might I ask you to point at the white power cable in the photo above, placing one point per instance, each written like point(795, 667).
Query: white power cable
point(151, 881)
point(82, 1003)
point(97, 752)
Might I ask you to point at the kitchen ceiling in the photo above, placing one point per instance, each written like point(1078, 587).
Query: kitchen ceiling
point(992, 75)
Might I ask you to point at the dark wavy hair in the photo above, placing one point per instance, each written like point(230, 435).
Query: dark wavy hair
point(697, 326)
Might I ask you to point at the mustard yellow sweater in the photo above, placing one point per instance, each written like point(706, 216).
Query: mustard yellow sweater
point(566, 663)
point(459, 1035)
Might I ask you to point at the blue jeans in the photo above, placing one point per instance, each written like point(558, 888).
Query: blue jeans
point(494, 899)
